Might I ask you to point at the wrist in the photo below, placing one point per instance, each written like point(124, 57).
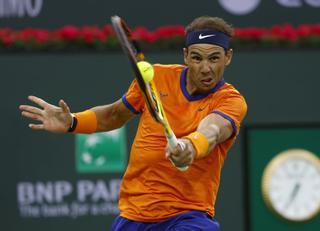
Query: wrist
point(84, 122)
point(74, 122)
point(200, 144)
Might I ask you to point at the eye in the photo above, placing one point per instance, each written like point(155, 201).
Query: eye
point(196, 58)
point(214, 58)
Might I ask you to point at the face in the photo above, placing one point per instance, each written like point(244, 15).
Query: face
point(206, 64)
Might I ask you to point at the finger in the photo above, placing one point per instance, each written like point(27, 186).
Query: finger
point(38, 101)
point(179, 148)
point(173, 161)
point(175, 151)
point(31, 109)
point(167, 151)
point(36, 126)
point(32, 116)
point(182, 145)
point(179, 165)
point(64, 106)
point(168, 154)
point(175, 158)
point(184, 158)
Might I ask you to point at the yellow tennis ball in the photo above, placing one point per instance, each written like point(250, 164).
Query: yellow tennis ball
point(146, 70)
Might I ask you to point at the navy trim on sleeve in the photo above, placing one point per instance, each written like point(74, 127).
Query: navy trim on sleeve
point(128, 105)
point(233, 124)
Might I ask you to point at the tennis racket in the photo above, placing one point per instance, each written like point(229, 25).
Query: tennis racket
point(148, 89)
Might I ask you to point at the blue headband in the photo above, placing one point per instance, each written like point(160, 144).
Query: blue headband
point(208, 36)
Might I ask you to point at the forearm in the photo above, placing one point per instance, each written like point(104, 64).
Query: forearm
point(215, 130)
point(109, 117)
point(212, 132)
point(102, 118)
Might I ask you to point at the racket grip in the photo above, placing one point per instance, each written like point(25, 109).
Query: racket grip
point(173, 143)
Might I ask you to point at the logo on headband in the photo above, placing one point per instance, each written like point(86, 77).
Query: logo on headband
point(206, 36)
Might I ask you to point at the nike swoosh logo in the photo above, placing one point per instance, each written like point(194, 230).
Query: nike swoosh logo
point(206, 36)
point(202, 108)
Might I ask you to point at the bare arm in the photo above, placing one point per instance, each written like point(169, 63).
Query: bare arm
point(112, 116)
point(215, 128)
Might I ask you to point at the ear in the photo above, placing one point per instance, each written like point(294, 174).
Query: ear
point(185, 55)
point(228, 57)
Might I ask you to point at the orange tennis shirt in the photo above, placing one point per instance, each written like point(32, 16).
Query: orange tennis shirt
point(152, 189)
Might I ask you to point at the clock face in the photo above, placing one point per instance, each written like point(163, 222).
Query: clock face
point(291, 185)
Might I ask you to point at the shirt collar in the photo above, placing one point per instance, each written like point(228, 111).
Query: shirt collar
point(197, 96)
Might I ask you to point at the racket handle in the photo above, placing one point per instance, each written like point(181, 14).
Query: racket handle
point(173, 143)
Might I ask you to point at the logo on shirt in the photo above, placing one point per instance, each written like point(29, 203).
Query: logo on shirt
point(163, 94)
point(202, 108)
point(206, 36)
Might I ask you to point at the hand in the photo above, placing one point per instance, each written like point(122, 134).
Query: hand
point(181, 157)
point(54, 119)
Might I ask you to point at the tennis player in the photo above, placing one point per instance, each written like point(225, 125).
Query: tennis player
point(204, 111)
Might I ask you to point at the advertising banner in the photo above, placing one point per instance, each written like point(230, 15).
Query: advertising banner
point(54, 14)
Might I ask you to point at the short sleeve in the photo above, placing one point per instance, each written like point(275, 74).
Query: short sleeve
point(233, 108)
point(133, 98)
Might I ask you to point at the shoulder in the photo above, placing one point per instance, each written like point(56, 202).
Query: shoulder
point(231, 102)
point(229, 93)
point(228, 90)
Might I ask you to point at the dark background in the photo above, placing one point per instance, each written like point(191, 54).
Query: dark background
point(280, 86)
point(153, 14)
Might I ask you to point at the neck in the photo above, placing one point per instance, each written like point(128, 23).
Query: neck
point(191, 89)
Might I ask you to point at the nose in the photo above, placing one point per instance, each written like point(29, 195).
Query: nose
point(205, 67)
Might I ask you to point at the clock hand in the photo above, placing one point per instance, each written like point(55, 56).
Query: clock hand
point(293, 194)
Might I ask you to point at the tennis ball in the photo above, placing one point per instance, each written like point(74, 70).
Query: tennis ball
point(146, 70)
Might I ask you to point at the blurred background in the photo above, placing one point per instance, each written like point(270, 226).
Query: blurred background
point(65, 49)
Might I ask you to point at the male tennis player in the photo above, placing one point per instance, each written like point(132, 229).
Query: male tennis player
point(204, 111)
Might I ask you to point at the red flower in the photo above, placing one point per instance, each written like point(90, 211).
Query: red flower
point(304, 30)
point(8, 40)
point(26, 34)
point(169, 31)
point(286, 31)
point(90, 34)
point(42, 36)
point(289, 32)
point(276, 31)
point(315, 29)
point(5, 32)
point(38, 35)
point(108, 30)
point(68, 33)
point(250, 32)
point(141, 33)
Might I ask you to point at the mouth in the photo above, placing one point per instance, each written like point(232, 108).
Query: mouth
point(207, 81)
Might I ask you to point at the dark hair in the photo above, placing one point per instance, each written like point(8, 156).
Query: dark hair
point(207, 22)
